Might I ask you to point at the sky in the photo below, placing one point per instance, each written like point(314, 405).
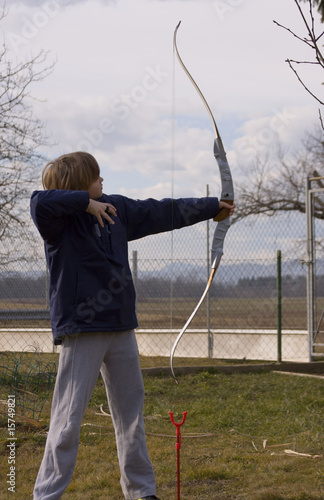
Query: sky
point(118, 92)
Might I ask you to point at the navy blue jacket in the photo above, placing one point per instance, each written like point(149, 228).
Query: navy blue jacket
point(91, 286)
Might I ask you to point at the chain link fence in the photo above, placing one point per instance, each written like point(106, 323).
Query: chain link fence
point(237, 321)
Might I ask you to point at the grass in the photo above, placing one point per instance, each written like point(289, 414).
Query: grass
point(233, 441)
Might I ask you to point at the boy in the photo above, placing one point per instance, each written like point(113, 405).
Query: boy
point(92, 304)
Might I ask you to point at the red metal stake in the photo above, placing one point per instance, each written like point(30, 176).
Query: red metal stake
point(178, 445)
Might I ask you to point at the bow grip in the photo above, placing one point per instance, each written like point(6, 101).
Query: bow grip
point(227, 194)
point(223, 213)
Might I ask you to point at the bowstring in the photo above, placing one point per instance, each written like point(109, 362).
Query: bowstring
point(173, 133)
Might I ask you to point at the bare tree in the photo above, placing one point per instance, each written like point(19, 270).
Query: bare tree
point(312, 40)
point(274, 184)
point(21, 135)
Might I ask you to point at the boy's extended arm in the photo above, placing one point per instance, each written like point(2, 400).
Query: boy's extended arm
point(145, 217)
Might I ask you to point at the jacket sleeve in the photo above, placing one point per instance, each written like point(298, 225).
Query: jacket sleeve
point(146, 217)
point(46, 207)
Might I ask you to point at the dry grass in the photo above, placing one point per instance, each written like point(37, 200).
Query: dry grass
point(225, 313)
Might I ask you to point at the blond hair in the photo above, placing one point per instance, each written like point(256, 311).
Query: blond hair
point(75, 171)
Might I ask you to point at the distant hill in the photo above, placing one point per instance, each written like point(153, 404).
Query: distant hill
point(229, 272)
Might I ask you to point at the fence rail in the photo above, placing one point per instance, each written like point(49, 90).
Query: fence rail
point(24, 314)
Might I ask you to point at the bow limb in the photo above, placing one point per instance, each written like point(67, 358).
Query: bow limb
point(210, 279)
point(227, 194)
point(193, 82)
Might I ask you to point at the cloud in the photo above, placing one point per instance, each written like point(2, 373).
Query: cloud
point(286, 126)
point(116, 92)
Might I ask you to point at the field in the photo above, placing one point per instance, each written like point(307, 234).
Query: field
point(252, 436)
point(225, 313)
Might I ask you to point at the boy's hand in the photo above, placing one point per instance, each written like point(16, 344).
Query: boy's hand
point(226, 209)
point(100, 210)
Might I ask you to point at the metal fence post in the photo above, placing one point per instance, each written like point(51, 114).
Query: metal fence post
point(210, 335)
point(310, 269)
point(279, 310)
point(134, 270)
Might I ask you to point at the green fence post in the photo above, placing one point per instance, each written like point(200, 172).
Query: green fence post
point(279, 339)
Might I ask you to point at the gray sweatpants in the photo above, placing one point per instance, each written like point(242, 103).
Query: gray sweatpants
point(82, 356)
